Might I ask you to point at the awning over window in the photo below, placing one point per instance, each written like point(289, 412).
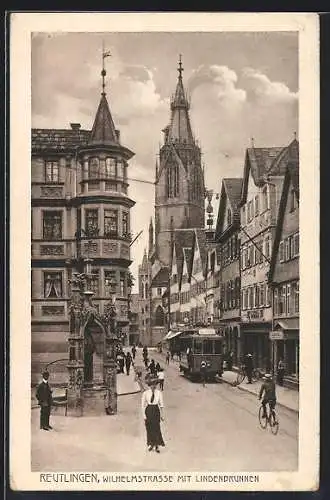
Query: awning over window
point(287, 324)
point(170, 335)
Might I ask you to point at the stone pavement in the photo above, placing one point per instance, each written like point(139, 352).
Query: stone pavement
point(289, 398)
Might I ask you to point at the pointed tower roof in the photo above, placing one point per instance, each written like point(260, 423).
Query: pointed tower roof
point(103, 131)
point(179, 129)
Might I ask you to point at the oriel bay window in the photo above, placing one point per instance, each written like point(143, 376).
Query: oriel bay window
point(52, 225)
point(92, 222)
point(93, 170)
point(110, 167)
point(51, 171)
point(52, 285)
point(110, 223)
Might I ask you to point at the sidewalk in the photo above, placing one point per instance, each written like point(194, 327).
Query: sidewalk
point(288, 398)
point(126, 384)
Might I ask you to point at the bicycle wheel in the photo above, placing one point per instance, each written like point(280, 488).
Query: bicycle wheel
point(273, 422)
point(240, 377)
point(262, 420)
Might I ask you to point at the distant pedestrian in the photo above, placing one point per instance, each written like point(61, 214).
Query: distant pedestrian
point(161, 378)
point(152, 368)
point(121, 361)
point(249, 367)
point(157, 367)
point(128, 362)
point(45, 400)
point(168, 358)
point(230, 361)
point(133, 352)
point(152, 412)
point(280, 371)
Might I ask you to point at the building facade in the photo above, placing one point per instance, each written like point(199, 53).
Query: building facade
point(80, 210)
point(228, 238)
point(264, 172)
point(284, 277)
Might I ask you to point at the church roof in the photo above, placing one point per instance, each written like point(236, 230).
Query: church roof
point(161, 278)
point(103, 131)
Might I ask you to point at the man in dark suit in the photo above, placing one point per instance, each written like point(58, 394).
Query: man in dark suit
point(44, 397)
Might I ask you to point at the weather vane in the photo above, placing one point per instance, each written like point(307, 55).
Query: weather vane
point(103, 72)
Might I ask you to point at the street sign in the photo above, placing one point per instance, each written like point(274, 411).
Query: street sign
point(276, 335)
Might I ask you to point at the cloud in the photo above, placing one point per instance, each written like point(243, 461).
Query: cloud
point(266, 92)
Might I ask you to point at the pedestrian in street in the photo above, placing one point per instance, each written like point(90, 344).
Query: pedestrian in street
point(128, 362)
point(230, 361)
point(45, 400)
point(168, 357)
point(121, 361)
point(157, 367)
point(152, 412)
point(161, 378)
point(152, 368)
point(280, 371)
point(133, 352)
point(249, 367)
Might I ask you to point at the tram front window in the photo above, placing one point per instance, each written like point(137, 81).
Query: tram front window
point(197, 347)
point(217, 347)
point(208, 347)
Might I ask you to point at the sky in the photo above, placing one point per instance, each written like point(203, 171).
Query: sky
point(241, 85)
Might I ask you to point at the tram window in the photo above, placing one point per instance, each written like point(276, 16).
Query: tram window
point(197, 347)
point(208, 347)
point(217, 347)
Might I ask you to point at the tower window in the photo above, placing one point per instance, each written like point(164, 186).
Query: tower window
point(93, 168)
point(110, 167)
point(172, 181)
point(110, 223)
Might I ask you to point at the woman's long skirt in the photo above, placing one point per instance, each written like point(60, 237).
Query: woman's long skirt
point(154, 434)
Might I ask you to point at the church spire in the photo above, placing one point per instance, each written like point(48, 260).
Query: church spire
point(179, 129)
point(151, 236)
point(104, 131)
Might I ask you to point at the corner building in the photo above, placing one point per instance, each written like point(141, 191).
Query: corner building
point(80, 210)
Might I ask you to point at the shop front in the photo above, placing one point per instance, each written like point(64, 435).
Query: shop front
point(285, 340)
point(256, 341)
point(232, 344)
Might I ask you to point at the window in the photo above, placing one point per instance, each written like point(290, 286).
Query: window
point(110, 167)
point(287, 249)
point(288, 299)
point(267, 296)
point(256, 205)
point(120, 169)
point(293, 201)
point(281, 251)
point(51, 171)
point(159, 316)
point(92, 222)
point(262, 295)
point(296, 297)
point(125, 223)
point(110, 223)
point(172, 181)
point(110, 186)
point(110, 283)
point(267, 246)
point(94, 282)
point(250, 211)
point(52, 225)
point(243, 215)
point(265, 199)
point(122, 285)
point(159, 291)
point(52, 285)
point(228, 216)
point(257, 296)
point(276, 304)
point(250, 298)
point(93, 185)
point(251, 256)
point(296, 245)
point(93, 168)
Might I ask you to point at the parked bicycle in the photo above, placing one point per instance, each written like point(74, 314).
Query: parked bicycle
point(270, 419)
point(241, 375)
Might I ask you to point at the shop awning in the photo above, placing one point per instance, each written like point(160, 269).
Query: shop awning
point(287, 324)
point(170, 335)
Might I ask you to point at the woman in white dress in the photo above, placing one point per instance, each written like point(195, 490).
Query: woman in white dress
point(152, 411)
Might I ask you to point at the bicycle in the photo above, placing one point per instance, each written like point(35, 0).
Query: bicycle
point(241, 375)
point(270, 419)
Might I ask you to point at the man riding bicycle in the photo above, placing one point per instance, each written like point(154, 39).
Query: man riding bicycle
point(268, 392)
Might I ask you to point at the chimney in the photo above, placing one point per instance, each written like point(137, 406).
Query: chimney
point(118, 135)
point(75, 126)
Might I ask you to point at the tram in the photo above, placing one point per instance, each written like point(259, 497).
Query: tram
point(201, 345)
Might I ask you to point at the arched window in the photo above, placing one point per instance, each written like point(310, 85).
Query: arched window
point(159, 317)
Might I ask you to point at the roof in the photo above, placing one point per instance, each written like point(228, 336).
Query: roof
point(183, 241)
point(232, 189)
point(263, 162)
point(291, 177)
point(199, 236)
point(103, 131)
point(161, 278)
point(58, 139)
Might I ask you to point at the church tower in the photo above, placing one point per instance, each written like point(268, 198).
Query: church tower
point(179, 189)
